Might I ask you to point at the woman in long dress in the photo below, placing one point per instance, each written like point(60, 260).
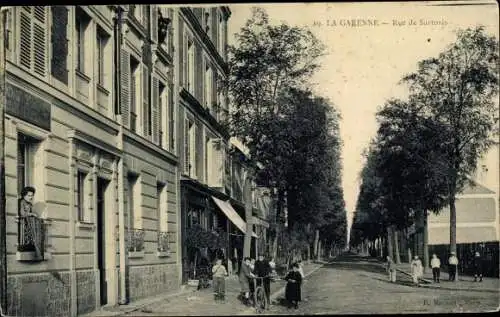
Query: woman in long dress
point(30, 231)
point(292, 291)
point(416, 270)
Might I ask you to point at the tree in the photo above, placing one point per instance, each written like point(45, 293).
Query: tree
point(267, 67)
point(456, 90)
point(266, 61)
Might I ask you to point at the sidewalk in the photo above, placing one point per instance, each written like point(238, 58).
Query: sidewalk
point(489, 284)
point(190, 301)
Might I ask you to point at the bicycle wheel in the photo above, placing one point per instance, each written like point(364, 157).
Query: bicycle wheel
point(260, 299)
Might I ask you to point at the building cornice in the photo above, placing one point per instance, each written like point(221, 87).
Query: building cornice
point(203, 113)
point(147, 145)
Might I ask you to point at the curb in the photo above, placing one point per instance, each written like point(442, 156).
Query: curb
point(129, 308)
point(282, 289)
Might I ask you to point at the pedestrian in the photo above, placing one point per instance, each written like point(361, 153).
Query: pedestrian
point(436, 267)
point(416, 270)
point(478, 267)
point(252, 280)
point(263, 269)
point(391, 269)
point(245, 277)
point(29, 229)
point(292, 290)
point(452, 266)
point(219, 274)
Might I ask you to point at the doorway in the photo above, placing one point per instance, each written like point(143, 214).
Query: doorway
point(102, 185)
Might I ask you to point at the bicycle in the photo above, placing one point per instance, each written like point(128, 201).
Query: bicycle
point(259, 295)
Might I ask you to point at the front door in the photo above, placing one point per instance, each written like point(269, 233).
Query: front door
point(102, 184)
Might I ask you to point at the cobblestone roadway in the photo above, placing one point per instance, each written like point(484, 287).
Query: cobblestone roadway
point(349, 285)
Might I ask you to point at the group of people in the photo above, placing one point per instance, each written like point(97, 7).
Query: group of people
point(417, 270)
point(255, 273)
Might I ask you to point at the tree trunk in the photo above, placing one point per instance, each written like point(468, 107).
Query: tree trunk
point(308, 253)
point(316, 241)
point(453, 224)
point(318, 254)
point(390, 240)
point(396, 247)
point(426, 243)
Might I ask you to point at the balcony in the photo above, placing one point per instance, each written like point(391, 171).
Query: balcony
point(82, 87)
point(102, 100)
point(32, 242)
point(136, 243)
point(164, 241)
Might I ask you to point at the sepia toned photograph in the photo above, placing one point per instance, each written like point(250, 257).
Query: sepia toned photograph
point(320, 158)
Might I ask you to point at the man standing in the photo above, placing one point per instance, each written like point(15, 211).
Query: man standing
point(436, 267)
point(452, 266)
point(478, 267)
point(245, 278)
point(263, 269)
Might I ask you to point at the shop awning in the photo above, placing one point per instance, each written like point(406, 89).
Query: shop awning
point(229, 211)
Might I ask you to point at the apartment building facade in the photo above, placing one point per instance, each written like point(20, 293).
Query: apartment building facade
point(96, 136)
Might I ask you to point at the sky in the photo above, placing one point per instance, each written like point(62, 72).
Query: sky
point(364, 63)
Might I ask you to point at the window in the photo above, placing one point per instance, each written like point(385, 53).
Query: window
point(134, 96)
point(162, 207)
point(192, 146)
point(83, 190)
point(208, 86)
point(101, 41)
point(163, 114)
point(190, 67)
point(134, 201)
point(28, 160)
point(33, 46)
point(171, 116)
point(81, 24)
point(221, 35)
point(188, 127)
point(59, 41)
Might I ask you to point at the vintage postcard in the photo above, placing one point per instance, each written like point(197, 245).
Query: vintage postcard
point(253, 158)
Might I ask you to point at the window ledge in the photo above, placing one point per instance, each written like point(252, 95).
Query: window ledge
point(135, 254)
point(101, 88)
point(85, 225)
point(82, 75)
point(30, 256)
point(163, 254)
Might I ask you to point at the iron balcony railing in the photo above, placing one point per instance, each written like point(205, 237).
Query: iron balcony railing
point(136, 240)
point(164, 240)
point(32, 236)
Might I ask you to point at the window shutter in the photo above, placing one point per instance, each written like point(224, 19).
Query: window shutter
point(39, 40)
point(59, 40)
point(125, 87)
point(199, 152)
point(146, 113)
point(186, 147)
point(182, 64)
point(25, 37)
point(171, 116)
point(156, 109)
point(154, 23)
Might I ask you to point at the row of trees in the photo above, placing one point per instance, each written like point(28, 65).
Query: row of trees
point(292, 132)
point(427, 147)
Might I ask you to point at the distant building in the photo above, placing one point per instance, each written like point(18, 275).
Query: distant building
point(478, 220)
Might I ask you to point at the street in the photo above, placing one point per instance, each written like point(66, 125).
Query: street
point(350, 284)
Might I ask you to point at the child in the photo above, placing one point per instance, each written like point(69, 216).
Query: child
point(436, 267)
point(219, 273)
point(416, 270)
point(292, 291)
point(391, 269)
